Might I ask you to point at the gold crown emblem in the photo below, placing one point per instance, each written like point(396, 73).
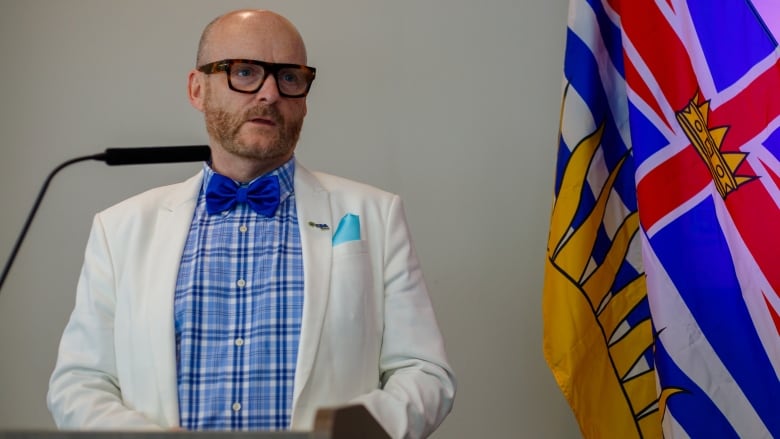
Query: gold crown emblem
point(694, 120)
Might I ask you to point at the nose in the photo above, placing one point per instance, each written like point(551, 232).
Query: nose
point(269, 92)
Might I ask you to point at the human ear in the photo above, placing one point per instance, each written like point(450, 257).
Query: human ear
point(196, 89)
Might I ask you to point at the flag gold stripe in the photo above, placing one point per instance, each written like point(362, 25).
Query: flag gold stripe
point(628, 349)
point(600, 282)
point(641, 391)
point(571, 186)
point(570, 257)
point(621, 305)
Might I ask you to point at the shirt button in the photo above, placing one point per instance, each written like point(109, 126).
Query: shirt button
point(239, 341)
point(241, 282)
point(236, 406)
point(243, 228)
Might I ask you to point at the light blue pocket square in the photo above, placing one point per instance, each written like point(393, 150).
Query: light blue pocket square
point(347, 230)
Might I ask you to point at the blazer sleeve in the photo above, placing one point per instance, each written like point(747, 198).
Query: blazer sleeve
point(417, 383)
point(84, 389)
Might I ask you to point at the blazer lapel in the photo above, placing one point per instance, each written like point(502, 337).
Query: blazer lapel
point(168, 239)
point(313, 206)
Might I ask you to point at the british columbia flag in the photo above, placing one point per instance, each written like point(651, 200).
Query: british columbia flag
point(668, 183)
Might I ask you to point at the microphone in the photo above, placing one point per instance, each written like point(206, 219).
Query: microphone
point(113, 157)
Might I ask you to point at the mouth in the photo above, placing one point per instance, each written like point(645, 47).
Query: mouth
point(262, 121)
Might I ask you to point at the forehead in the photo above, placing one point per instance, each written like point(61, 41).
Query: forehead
point(264, 37)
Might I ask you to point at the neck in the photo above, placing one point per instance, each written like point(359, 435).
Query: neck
point(244, 169)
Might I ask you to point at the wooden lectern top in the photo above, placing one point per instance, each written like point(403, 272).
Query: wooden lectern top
point(347, 422)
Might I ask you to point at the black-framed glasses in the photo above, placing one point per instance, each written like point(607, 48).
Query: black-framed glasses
point(248, 75)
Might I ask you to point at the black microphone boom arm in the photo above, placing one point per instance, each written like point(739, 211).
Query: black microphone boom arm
point(113, 157)
point(155, 154)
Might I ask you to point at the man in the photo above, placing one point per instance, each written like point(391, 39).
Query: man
point(206, 305)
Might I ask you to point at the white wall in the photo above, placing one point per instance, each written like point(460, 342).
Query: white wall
point(453, 104)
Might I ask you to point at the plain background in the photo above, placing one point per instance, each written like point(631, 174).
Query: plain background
point(452, 104)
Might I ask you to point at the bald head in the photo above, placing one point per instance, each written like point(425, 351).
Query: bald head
point(243, 33)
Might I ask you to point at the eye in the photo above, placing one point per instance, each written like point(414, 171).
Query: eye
point(291, 76)
point(246, 71)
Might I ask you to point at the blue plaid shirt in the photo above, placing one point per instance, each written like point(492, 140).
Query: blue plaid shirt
point(237, 314)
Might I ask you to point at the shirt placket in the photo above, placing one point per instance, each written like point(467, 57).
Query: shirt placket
point(243, 284)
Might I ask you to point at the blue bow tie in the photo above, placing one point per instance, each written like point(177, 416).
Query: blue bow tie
point(262, 195)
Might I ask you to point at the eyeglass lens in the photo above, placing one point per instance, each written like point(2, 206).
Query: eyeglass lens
point(249, 77)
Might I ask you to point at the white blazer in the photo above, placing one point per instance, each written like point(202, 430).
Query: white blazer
point(369, 334)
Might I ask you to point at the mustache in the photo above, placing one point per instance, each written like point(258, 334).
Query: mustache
point(264, 112)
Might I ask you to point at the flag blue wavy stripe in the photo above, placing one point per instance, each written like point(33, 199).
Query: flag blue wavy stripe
point(705, 421)
point(564, 152)
point(610, 34)
point(579, 58)
point(694, 252)
point(580, 67)
point(732, 37)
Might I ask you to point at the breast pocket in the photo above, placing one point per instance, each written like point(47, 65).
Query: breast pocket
point(350, 248)
point(353, 302)
point(352, 278)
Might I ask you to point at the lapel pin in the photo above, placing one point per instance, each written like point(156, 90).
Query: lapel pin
point(319, 226)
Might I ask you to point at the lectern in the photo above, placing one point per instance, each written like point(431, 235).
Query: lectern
point(348, 422)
